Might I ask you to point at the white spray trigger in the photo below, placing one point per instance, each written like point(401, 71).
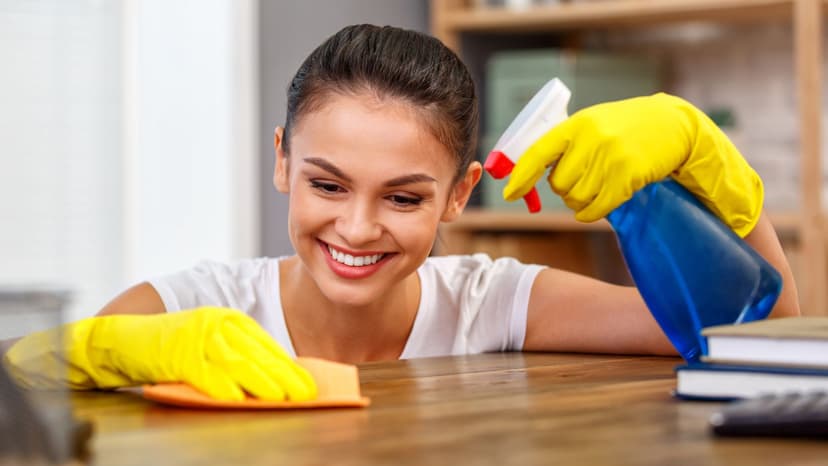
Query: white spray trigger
point(546, 109)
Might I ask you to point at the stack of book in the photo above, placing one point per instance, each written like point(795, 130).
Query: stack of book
point(767, 356)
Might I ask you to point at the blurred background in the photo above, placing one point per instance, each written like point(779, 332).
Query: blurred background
point(137, 134)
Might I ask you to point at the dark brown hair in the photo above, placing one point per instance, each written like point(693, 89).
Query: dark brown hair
point(396, 63)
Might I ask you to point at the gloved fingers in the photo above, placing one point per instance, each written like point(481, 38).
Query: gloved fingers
point(214, 382)
point(572, 167)
point(307, 390)
point(263, 369)
point(574, 203)
point(601, 205)
point(250, 329)
point(242, 360)
point(252, 377)
point(599, 152)
point(294, 379)
point(533, 163)
point(619, 185)
point(580, 175)
point(302, 386)
point(577, 206)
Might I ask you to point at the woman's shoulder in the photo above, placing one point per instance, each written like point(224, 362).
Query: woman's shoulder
point(469, 261)
point(472, 266)
point(232, 283)
point(479, 299)
point(236, 268)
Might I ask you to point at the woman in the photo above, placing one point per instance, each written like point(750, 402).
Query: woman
point(376, 152)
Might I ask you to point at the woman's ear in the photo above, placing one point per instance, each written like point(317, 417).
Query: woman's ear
point(461, 192)
point(280, 170)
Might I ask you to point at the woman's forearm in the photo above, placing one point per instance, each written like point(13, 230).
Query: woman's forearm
point(764, 240)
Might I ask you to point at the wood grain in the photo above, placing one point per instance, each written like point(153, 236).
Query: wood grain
point(510, 408)
point(612, 13)
point(807, 26)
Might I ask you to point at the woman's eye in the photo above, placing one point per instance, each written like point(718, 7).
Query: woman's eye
point(405, 201)
point(329, 188)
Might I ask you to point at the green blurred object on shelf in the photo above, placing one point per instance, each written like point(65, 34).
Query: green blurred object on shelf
point(514, 76)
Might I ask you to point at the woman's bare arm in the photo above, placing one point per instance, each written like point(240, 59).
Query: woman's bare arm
point(571, 312)
point(139, 299)
point(764, 240)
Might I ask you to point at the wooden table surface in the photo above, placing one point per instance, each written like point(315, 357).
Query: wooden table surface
point(502, 409)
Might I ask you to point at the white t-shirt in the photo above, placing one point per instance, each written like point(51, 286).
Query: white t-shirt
point(468, 304)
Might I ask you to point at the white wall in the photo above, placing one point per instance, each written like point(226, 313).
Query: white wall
point(60, 201)
point(129, 140)
point(190, 133)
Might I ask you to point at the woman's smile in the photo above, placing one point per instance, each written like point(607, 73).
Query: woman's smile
point(364, 211)
point(353, 264)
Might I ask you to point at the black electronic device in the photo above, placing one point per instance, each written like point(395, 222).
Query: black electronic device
point(800, 414)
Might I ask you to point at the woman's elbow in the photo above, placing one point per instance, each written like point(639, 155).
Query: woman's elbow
point(788, 303)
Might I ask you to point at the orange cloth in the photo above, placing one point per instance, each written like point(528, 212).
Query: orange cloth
point(337, 384)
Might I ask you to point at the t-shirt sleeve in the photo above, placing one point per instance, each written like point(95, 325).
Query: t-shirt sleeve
point(210, 284)
point(501, 322)
point(494, 300)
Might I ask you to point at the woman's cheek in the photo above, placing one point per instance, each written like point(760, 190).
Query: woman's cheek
point(416, 228)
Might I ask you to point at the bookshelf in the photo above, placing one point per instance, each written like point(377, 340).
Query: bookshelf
point(454, 21)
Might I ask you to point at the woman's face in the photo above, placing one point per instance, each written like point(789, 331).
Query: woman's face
point(368, 186)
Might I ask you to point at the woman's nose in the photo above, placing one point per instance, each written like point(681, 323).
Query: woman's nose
point(358, 224)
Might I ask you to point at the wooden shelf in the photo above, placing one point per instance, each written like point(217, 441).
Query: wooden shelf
point(789, 223)
point(451, 19)
point(611, 13)
point(488, 220)
point(492, 221)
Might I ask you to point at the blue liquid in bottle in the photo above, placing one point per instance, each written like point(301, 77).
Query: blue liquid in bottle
point(690, 268)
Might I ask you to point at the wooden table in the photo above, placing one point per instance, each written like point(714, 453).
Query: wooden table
point(500, 409)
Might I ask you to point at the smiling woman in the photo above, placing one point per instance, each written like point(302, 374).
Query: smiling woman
point(376, 152)
point(381, 193)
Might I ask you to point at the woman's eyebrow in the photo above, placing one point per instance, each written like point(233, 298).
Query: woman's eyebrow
point(410, 179)
point(399, 181)
point(328, 167)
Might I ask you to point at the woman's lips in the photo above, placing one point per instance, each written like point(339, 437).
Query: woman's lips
point(353, 271)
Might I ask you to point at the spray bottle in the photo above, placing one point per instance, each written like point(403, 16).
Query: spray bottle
point(691, 269)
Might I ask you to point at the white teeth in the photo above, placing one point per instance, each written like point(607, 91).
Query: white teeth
point(352, 261)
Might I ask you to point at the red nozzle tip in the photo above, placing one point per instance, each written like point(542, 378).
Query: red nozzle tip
point(498, 165)
point(532, 200)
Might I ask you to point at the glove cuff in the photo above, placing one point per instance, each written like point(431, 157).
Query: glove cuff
point(720, 177)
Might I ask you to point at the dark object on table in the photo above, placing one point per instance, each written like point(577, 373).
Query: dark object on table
point(803, 414)
point(38, 427)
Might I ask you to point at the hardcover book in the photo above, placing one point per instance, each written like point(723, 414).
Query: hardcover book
point(728, 382)
point(791, 341)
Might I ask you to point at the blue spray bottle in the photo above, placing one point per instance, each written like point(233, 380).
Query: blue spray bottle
point(691, 269)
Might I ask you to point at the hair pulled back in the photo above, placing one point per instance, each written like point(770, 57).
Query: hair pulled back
point(391, 63)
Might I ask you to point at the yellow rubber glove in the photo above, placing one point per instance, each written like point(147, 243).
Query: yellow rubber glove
point(607, 152)
point(222, 352)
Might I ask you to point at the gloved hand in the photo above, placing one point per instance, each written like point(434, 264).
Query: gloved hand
point(222, 352)
point(607, 152)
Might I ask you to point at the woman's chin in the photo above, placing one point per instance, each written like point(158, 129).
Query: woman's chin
point(350, 297)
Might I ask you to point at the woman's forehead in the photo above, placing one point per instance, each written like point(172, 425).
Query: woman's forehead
point(359, 107)
point(364, 129)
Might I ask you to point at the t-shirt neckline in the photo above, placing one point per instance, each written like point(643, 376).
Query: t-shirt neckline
point(284, 335)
